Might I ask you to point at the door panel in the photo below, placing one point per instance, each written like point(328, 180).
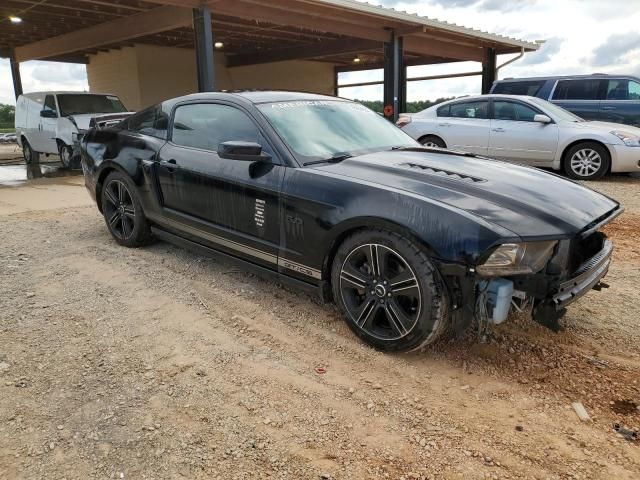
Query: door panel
point(45, 135)
point(224, 201)
point(515, 136)
point(587, 109)
point(466, 127)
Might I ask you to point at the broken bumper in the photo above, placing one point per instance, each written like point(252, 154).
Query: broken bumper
point(587, 276)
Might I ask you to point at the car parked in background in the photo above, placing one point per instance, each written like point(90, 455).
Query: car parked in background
point(8, 138)
point(608, 98)
point(53, 122)
point(527, 130)
point(326, 194)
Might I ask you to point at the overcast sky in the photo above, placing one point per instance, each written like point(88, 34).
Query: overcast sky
point(583, 36)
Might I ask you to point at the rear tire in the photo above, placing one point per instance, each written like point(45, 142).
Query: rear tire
point(29, 155)
point(123, 213)
point(432, 141)
point(586, 161)
point(391, 294)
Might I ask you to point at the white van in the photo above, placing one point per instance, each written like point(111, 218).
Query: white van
point(54, 122)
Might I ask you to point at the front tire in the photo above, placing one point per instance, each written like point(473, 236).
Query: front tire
point(29, 155)
point(391, 294)
point(123, 213)
point(587, 161)
point(66, 155)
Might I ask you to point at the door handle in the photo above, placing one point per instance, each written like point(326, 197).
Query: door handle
point(444, 124)
point(170, 165)
point(608, 108)
point(499, 130)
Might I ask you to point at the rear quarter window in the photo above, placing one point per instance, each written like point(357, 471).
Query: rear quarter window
point(529, 87)
point(152, 121)
point(443, 111)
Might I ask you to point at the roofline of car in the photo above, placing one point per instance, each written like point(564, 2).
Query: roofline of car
point(566, 77)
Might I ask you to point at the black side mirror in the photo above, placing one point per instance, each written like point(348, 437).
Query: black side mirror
point(48, 113)
point(245, 151)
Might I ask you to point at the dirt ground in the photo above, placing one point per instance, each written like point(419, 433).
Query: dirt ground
point(160, 364)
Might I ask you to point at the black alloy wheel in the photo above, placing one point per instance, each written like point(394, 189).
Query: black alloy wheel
point(119, 209)
point(380, 291)
point(123, 212)
point(390, 292)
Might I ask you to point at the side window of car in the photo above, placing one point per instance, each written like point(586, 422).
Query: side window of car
point(634, 90)
point(443, 111)
point(530, 87)
point(513, 111)
point(50, 104)
point(143, 121)
point(151, 121)
point(468, 110)
point(207, 125)
point(586, 89)
point(623, 89)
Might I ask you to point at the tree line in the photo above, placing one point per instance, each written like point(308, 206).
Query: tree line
point(7, 115)
point(412, 107)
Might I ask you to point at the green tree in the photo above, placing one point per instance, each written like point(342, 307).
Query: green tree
point(7, 116)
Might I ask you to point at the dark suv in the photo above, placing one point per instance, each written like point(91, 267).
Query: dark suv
point(601, 97)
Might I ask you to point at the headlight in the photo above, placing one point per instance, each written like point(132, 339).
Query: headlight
point(629, 139)
point(517, 259)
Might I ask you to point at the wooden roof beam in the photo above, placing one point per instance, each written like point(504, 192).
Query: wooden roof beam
point(438, 48)
point(279, 16)
point(125, 28)
point(180, 3)
point(322, 49)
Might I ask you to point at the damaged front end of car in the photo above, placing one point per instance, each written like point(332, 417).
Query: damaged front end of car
point(541, 277)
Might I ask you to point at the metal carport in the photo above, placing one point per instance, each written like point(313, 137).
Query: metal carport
point(248, 33)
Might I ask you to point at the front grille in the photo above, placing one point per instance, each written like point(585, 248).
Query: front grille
point(443, 173)
point(584, 249)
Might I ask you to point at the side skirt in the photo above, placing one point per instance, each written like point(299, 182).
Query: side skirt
point(263, 272)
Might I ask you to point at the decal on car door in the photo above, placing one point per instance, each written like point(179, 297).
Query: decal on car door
point(259, 213)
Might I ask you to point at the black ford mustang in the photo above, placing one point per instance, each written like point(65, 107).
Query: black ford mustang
point(324, 193)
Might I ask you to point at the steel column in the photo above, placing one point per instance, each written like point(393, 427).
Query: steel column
point(15, 74)
point(394, 78)
point(488, 69)
point(203, 39)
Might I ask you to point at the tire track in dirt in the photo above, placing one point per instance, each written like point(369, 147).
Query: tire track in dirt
point(210, 380)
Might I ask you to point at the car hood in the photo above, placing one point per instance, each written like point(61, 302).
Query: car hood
point(606, 127)
point(528, 202)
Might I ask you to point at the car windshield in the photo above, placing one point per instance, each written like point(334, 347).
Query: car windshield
point(321, 129)
point(558, 113)
point(77, 104)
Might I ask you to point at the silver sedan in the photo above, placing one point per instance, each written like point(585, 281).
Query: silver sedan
point(527, 130)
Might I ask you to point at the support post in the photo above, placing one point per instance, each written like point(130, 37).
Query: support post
point(402, 100)
point(394, 78)
point(488, 70)
point(15, 74)
point(203, 39)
